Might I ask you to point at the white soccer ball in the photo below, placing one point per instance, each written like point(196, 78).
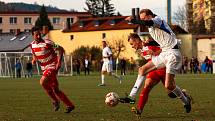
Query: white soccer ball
point(112, 99)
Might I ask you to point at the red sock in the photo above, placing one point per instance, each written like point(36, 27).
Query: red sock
point(143, 98)
point(51, 93)
point(64, 99)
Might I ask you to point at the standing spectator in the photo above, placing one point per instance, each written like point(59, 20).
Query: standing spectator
point(29, 68)
point(192, 65)
point(196, 66)
point(123, 66)
point(78, 65)
point(210, 66)
point(18, 69)
point(86, 66)
point(132, 65)
point(185, 63)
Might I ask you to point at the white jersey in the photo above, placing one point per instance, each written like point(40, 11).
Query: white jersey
point(105, 53)
point(162, 34)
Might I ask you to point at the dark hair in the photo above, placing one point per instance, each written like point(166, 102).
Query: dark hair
point(147, 12)
point(33, 29)
point(133, 36)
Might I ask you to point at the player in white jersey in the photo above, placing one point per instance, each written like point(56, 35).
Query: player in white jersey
point(107, 65)
point(170, 57)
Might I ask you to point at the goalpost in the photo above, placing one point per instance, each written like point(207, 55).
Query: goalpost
point(8, 61)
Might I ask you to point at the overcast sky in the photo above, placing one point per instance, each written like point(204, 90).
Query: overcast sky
point(123, 6)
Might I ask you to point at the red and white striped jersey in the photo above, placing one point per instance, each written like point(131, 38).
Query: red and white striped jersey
point(44, 53)
point(147, 48)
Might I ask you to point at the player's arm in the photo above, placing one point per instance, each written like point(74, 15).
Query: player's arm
point(60, 55)
point(140, 22)
point(33, 60)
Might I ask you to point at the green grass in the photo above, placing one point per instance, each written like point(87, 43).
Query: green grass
point(25, 100)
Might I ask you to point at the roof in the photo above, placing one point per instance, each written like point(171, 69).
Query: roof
point(50, 13)
point(12, 43)
point(205, 37)
point(103, 23)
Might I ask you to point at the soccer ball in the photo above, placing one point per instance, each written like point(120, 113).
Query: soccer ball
point(111, 99)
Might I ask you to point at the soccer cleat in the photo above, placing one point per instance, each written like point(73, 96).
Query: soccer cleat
point(100, 85)
point(189, 98)
point(56, 106)
point(69, 109)
point(136, 111)
point(127, 100)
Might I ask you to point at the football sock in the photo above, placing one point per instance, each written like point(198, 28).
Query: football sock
point(50, 92)
point(177, 91)
point(103, 79)
point(136, 86)
point(64, 99)
point(143, 98)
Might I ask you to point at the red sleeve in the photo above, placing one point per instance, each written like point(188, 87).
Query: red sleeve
point(154, 48)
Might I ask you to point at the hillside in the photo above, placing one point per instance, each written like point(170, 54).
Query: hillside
point(26, 7)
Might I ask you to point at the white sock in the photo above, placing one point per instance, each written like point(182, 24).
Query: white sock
point(103, 79)
point(177, 91)
point(137, 85)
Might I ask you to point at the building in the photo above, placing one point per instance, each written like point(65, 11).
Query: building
point(23, 20)
point(201, 9)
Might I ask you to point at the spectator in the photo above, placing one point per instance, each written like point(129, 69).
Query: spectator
point(192, 65)
point(78, 65)
point(185, 63)
point(123, 66)
point(132, 65)
point(86, 66)
point(196, 66)
point(29, 68)
point(18, 67)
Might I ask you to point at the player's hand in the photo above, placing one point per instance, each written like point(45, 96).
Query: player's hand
point(129, 18)
point(58, 65)
point(33, 62)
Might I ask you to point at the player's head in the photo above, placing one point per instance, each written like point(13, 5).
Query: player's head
point(36, 33)
point(146, 14)
point(104, 43)
point(135, 41)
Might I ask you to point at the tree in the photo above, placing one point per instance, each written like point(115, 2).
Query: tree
point(43, 19)
point(100, 8)
point(117, 46)
point(180, 16)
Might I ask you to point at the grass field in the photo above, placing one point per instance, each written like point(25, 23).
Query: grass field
point(24, 100)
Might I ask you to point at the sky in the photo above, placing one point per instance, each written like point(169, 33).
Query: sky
point(123, 6)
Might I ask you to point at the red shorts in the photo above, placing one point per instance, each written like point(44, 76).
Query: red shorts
point(157, 75)
point(51, 74)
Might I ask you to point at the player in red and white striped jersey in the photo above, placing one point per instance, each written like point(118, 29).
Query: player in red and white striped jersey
point(44, 52)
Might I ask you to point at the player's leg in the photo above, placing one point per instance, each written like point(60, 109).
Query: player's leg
point(140, 78)
point(173, 64)
point(45, 84)
point(70, 106)
point(103, 71)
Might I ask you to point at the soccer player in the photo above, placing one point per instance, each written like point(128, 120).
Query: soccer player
point(44, 52)
point(170, 56)
point(148, 49)
point(107, 65)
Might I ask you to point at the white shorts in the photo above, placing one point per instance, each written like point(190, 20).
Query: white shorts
point(171, 59)
point(107, 66)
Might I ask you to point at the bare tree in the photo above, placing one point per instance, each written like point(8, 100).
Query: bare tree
point(180, 16)
point(117, 46)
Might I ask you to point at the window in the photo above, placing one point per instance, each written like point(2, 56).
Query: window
point(1, 31)
point(0, 20)
point(27, 30)
point(12, 31)
point(13, 20)
point(103, 35)
point(56, 20)
point(27, 20)
point(71, 20)
point(71, 37)
point(213, 51)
